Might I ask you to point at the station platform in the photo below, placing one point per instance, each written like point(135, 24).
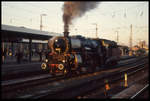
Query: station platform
point(126, 57)
point(10, 61)
point(11, 65)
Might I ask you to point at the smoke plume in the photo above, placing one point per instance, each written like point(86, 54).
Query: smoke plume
point(73, 10)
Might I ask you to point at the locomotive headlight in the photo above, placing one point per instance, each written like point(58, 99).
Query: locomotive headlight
point(60, 66)
point(63, 61)
point(43, 65)
point(46, 60)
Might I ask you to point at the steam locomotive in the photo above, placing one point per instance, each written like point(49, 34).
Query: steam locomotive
point(77, 54)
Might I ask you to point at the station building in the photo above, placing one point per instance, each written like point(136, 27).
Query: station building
point(29, 41)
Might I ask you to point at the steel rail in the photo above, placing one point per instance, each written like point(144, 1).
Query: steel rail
point(47, 93)
point(129, 74)
point(139, 92)
point(9, 86)
point(23, 80)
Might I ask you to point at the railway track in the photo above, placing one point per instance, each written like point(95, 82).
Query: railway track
point(137, 81)
point(117, 86)
point(21, 84)
point(140, 92)
point(84, 89)
point(45, 76)
point(27, 83)
point(10, 73)
point(39, 77)
point(66, 89)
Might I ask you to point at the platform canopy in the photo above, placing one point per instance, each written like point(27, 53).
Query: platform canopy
point(14, 33)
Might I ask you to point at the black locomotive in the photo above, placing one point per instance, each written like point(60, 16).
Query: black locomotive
point(78, 54)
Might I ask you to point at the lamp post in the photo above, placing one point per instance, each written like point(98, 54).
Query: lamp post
point(96, 29)
point(117, 37)
point(41, 21)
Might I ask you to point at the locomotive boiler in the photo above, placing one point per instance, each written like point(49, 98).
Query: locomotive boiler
point(77, 54)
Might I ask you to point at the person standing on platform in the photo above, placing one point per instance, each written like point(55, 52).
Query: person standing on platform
point(40, 55)
point(19, 56)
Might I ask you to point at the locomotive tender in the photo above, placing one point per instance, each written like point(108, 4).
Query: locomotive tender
point(77, 54)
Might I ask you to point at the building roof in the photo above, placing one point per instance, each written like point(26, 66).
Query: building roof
point(28, 30)
point(23, 32)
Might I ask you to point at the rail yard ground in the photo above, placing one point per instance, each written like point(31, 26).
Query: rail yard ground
point(69, 88)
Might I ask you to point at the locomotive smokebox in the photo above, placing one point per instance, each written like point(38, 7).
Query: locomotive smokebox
point(66, 34)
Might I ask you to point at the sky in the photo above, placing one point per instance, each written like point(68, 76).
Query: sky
point(109, 17)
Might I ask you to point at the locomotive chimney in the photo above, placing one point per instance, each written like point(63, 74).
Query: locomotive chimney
point(66, 34)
